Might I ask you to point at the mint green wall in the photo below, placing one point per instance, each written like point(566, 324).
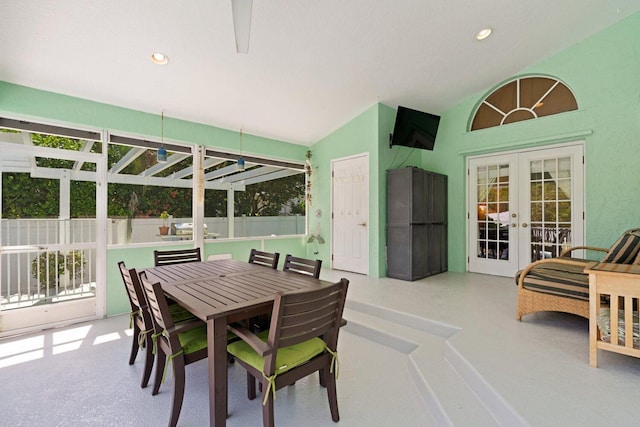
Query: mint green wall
point(603, 72)
point(240, 249)
point(358, 136)
point(36, 104)
point(367, 133)
point(117, 302)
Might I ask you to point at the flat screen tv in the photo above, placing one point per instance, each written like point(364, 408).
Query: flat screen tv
point(414, 128)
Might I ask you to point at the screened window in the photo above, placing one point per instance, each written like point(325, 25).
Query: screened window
point(263, 198)
point(151, 196)
point(149, 200)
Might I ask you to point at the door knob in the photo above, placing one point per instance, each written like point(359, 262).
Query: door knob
point(364, 224)
point(524, 225)
point(514, 225)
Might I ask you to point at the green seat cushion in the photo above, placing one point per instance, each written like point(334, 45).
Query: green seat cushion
point(179, 313)
point(194, 339)
point(287, 357)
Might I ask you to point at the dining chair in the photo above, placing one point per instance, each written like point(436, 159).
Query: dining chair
point(176, 257)
point(141, 320)
point(266, 259)
point(302, 339)
point(303, 266)
point(181, 343)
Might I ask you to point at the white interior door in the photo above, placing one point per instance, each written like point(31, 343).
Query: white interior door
point(524, 206)
point(350, 214)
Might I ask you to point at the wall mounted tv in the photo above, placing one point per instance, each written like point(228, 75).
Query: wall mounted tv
point(414, 128)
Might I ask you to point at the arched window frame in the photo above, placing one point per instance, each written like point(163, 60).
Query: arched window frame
point(518, 107)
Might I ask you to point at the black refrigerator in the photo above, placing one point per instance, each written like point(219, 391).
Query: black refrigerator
point(416, 223)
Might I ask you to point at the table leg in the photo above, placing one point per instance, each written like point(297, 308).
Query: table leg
point(217, 352)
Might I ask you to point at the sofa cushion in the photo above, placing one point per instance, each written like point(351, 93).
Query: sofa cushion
point(625, 250)
point(559, 279)
point(604, 324)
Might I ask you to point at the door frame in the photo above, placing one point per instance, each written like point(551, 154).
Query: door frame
point(580, 225)
point(99, 301)
point(500, 266)
point(364, 155)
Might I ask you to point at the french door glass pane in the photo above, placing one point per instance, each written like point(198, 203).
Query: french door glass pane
point(493, 212)
point(550, 206)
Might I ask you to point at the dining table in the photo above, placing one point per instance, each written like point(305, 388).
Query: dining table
point(221, 292)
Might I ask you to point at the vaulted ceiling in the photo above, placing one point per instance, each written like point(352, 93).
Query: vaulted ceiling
point(311, 66)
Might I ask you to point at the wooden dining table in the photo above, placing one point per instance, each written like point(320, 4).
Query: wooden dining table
point(221, 292)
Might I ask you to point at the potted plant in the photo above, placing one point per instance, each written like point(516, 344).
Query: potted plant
point(50, 266)
point(164, 229)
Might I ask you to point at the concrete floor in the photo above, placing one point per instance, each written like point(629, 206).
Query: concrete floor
point(445, 350)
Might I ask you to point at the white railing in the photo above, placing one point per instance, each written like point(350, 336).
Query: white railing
point(49, 260)
point(146, 229)
point(36, 276)
point(46, 260)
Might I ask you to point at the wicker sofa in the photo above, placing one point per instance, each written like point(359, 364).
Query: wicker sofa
point(562, 284)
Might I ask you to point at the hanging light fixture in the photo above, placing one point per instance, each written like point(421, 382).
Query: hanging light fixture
point(161, 156)
point(240, 164)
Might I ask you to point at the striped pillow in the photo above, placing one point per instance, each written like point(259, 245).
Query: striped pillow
point(625, 250)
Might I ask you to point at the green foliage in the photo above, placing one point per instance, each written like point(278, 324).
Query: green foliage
point(50, 265)
point(26, 197)
point(267, 198)
point(83, 199)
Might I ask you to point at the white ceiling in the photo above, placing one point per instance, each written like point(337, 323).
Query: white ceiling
point(312, 66)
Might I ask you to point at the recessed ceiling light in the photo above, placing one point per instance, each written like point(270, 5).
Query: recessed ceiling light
point(159, 58)
point(483, 34)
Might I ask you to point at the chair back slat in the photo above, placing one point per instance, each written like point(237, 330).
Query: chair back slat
point(294, 334)
point(158, 305)
point(303, 266)
point(176, 257)
point(300, 316)
point(266, 259)
point(133, 287)
point(308, 306)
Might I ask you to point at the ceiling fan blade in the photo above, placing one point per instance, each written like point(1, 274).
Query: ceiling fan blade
point(242, 23)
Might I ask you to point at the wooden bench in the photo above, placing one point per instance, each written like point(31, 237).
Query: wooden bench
point(619, 286)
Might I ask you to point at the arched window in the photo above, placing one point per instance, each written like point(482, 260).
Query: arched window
point(523, 99)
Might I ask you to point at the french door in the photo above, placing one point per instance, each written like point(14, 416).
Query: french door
point(524, 206)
